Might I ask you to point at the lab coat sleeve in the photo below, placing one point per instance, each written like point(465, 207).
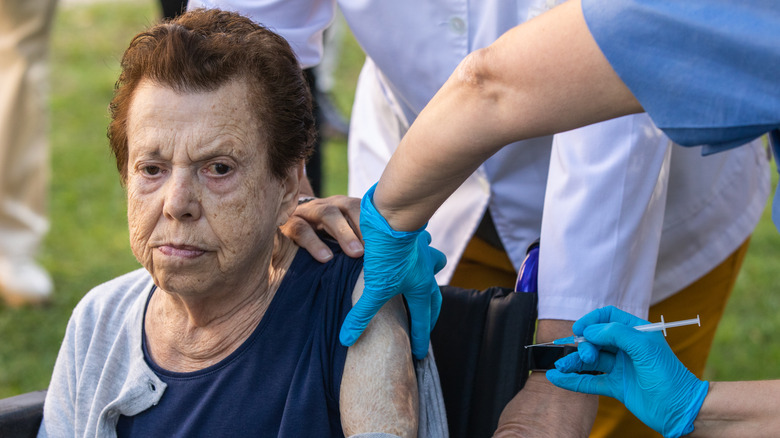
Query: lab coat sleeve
point(603, 216)
point(300, 22)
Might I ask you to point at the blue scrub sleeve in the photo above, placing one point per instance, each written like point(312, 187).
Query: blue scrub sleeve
point(705, 70)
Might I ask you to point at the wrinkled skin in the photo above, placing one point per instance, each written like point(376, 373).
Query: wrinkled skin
point(203, 207)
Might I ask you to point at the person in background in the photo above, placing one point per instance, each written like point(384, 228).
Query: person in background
point(692, 239)
point(329, 121)
point(172, 8)
point(228, 329)
point(25, 28)
point(584, 62)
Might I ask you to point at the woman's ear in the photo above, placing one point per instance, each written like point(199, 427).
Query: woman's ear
point(292, 185)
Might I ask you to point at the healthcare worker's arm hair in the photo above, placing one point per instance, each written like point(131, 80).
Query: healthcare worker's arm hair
point(541, 409)
point(379, 386)
point(740, 409)
point(544, 76)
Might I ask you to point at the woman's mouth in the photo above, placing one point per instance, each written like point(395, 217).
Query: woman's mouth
point(184, 251)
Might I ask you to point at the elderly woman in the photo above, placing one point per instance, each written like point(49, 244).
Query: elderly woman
point(229, 329)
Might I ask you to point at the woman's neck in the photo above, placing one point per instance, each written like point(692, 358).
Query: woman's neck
point(184, 335)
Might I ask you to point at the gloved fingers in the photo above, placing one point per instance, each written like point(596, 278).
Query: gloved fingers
point(588, 352)
point(358, 318)
point(435, 305)
point(586, 383)
point(597, 316)
point(439, 260)
point(605, 315)
point(420, 313)
point(573, 363)
point(424, 309)
point(614, 335)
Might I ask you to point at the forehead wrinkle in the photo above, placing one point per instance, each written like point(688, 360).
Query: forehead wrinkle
point(222, 125)
point(223, 144)
point(148, 145)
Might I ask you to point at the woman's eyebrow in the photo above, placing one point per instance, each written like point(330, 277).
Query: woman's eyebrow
point(146, 153)
point(220, 146)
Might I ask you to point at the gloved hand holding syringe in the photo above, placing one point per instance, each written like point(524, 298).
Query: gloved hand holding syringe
point(652, 327)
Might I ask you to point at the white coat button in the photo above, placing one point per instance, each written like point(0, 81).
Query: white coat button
point(457, 25)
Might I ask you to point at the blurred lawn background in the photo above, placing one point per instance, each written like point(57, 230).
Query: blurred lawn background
point(88, 241)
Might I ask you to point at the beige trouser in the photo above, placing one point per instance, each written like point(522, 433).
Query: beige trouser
point(24, 37)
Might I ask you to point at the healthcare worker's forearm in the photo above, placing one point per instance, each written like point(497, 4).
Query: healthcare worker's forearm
point(740, 409)
point(541, 409)
point(544, 76)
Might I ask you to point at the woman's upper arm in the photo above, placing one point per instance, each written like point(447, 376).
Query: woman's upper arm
point(379, 387)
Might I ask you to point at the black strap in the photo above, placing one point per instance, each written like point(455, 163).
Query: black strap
point(479, 344)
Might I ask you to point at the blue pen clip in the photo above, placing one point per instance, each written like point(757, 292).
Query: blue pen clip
point(527, 277)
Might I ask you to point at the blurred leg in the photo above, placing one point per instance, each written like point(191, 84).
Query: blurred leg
point(24, 37)
point(707, 297)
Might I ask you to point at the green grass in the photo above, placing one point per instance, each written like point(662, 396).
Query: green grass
point(88, 241)
point(747, 345)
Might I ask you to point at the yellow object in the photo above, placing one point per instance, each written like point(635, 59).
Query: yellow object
point(482, 266)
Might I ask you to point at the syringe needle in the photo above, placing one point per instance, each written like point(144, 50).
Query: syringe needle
point(561, 341)
point(543, 343)
point(650, 327)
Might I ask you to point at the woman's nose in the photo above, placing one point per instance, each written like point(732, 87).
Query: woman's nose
point(182, 201)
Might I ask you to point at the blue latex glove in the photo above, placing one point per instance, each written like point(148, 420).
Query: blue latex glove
point(396, 262)
point(640, 370)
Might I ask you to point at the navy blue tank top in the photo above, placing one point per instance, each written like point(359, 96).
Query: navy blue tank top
point(283, 381)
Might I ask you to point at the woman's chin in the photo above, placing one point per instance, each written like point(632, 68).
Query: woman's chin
point(185, 286)
point(186, 279)
point(184, 264)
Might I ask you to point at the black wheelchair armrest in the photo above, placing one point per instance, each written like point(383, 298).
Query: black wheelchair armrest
point(21, 415)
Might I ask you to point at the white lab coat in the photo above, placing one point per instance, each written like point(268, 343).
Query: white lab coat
point(610, 233)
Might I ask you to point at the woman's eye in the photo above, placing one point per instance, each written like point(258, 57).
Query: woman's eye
point(220, 168)
point(151, 170)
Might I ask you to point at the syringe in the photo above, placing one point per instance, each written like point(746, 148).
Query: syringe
point(652, 327)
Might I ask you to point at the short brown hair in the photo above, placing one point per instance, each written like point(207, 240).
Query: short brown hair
point(204, 49)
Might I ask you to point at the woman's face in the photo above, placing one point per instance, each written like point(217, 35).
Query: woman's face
point(203, 206)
